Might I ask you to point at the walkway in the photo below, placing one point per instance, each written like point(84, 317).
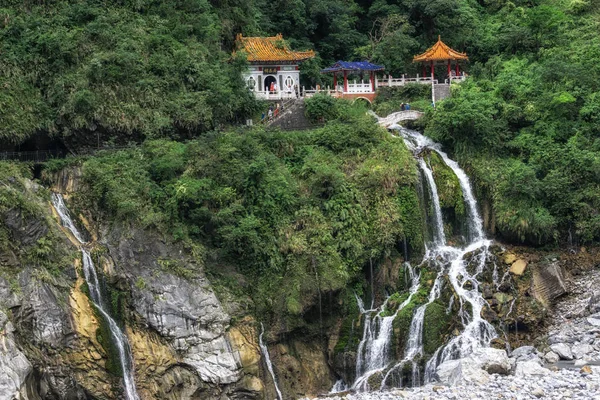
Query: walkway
point(397, 117)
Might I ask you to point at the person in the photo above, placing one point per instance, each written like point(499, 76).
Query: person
point(402, 108)
point(407, 106)
point(272, 89)
point(270, 113)
point(276, 113)
point(262, 117)
point(275, 87)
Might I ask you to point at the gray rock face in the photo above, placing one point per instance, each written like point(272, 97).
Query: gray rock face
point(522, 351)
point(14, 366)
point(563, 351)
point(185, 311)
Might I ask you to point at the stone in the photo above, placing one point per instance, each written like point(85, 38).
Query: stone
point(594, 302)
point(563, 351)
point(518, 267)
point(581, 350)
point(461, 371)
point(551, 357)
point(522, 351)
point(580, 363)
point(538, 392)
point(493, 361)
point(530, 368)
point(509, 258)
point(586, 369)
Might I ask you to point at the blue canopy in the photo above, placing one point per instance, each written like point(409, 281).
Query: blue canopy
point(355, 66)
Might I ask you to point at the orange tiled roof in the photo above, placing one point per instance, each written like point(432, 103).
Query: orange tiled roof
point(271, 48)
point(440, 51)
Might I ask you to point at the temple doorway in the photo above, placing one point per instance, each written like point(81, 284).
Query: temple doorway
point(268, 80)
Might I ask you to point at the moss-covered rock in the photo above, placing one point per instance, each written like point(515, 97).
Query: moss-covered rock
point(436, 325)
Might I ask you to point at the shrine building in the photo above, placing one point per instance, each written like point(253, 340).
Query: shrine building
point(274, 69)
point(441, 54)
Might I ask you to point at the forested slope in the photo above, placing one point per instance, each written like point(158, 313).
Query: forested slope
point(525, 124)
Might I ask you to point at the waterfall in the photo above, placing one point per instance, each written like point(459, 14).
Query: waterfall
point(373, 353)
point(477, 332)
point(265, 352)
point(91, 278)
point(374, 347)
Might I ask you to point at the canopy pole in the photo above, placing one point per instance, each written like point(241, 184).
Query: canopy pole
point(432, 72)
point(345, 81)
point(372, 78)
point(449, 69)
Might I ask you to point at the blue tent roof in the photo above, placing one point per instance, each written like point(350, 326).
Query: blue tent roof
point(356, 66)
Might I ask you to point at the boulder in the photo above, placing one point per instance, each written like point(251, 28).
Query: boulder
point(518, 267)
point(530, 368)
point(509, 258)
point(594, 302)
point(522, 351)
point(493, 361)
point(462, 371)
point(581, 350)
point(551, 357)
point(563, 351)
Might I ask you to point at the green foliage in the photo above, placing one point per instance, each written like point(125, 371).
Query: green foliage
point(322, 107)
point(390, 99)
point(437, 322)
point(295, 212)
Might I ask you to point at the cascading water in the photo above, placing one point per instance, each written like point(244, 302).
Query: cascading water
point(91, 278)
point(265, 352)
point(477, 332)
point(373, 349)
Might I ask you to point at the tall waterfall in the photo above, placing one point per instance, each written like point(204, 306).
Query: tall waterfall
point(91, 278)
point(265, 352)
point(373, 351)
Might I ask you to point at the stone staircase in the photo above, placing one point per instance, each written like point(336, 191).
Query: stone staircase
point(292, 118)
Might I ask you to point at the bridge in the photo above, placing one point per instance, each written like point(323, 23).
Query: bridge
point(397, 117)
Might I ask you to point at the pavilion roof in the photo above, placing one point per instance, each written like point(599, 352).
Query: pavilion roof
point(354, 66)
point(271, 48)
point(440, 51)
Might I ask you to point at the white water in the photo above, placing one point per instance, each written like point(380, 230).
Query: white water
point(476, 331)
point(265, 352)
point(439, 238)
point(89, 272)
point(374, 349)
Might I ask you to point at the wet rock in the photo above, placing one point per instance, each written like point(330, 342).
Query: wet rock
point(522, 351)
point(461, 371)
point(563, 351)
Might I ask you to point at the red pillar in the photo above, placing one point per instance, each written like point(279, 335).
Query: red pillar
point(345, 81)
point(432, 71)
point(449, 69)
point(372, 77)
point(335, 81)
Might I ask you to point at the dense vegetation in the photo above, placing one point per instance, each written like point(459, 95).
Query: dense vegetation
point(527, 125)
point(314, 206)
point(295, 212)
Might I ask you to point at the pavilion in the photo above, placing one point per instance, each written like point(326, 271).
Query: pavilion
point(441, 54)
point(274, 71)
point(356, 67)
